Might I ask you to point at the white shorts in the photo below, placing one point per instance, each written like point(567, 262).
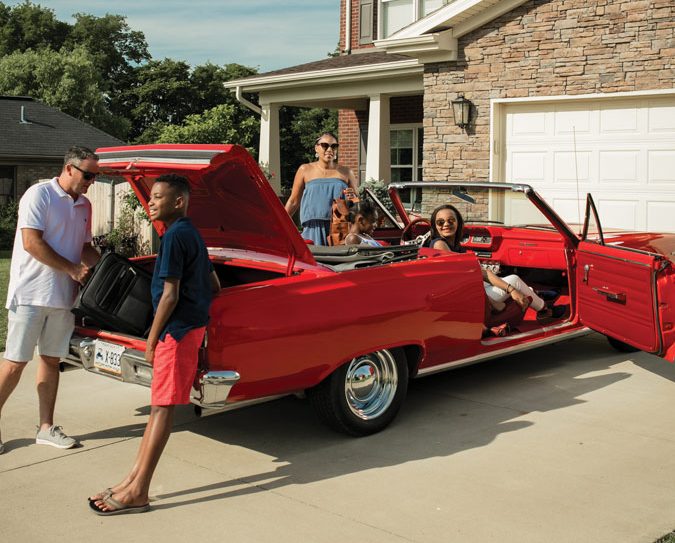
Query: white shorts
point(30, 325)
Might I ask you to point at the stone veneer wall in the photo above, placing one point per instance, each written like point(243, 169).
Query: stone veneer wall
point(543, 48)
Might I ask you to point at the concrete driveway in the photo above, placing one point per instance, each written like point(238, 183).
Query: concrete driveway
point(573, 442)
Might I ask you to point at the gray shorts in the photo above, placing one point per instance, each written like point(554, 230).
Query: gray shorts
point(30, 325)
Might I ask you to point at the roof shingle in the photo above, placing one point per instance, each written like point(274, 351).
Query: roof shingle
point(47, 134)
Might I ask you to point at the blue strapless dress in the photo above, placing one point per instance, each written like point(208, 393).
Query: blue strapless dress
point(316, 206)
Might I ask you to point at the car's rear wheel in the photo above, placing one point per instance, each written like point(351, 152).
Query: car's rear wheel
point(363, 396)
point(621, 346)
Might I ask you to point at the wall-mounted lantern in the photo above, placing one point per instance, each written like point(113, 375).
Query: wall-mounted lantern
point(461, 108)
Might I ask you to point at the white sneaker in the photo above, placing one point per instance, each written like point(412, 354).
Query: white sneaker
point(55, 437)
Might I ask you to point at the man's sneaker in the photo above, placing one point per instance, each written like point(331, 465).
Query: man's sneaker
point(55, 437)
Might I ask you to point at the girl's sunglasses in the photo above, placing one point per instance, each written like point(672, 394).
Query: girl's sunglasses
point(325, 146)
point(88, 176)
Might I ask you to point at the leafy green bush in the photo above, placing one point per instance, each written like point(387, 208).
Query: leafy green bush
point(124, 238)
point(8, 217)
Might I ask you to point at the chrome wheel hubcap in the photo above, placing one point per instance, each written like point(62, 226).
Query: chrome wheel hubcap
point(370, 384)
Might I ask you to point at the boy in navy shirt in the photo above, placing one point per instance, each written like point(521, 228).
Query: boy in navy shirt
point(183, 284)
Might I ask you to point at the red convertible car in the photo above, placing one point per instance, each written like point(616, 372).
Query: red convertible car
point(349, 326)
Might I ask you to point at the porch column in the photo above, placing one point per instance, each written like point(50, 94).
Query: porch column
point(269, 154)
point(378, 160)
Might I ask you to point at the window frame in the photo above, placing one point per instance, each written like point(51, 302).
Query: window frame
point(417, 166)
point(417, 14)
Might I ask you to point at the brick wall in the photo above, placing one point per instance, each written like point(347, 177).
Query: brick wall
point(29, 174)
point(349, 139)
point(543, 48)
point(355, 25)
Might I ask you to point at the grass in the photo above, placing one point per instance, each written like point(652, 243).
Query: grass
point(5, 258)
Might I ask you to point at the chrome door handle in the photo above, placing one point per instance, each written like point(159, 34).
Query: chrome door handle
point(587, 268)
point(616, 297)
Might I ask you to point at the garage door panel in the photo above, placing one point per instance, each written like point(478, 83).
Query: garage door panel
point(529, 123)
point(619, 118)
point(571, 167)
point(529, 167)
point(661, 117)
point(618, 213)
point(621, 150)
point(660, 216)
point(576, 121)
point(661, 167)
point(619, 166)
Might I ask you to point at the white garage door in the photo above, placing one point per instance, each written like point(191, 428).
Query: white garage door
point(622, 151)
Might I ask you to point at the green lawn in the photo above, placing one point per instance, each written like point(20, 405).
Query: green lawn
point(4, 281)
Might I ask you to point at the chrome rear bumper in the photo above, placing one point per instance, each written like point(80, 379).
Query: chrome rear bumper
point(213, 386)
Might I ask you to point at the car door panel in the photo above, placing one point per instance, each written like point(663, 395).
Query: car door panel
point(616, 294)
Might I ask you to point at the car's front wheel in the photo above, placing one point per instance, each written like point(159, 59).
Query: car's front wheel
point(363, 396)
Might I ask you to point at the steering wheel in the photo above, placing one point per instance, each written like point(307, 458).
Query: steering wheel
point(408, 229)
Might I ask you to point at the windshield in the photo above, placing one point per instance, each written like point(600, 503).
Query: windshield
point(477, 205)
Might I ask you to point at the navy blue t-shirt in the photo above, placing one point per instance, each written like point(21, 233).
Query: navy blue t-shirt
point(183, 255)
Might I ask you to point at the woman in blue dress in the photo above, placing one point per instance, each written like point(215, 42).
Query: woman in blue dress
point(316, 185)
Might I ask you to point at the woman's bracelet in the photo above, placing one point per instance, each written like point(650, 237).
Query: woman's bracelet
point(510, 289)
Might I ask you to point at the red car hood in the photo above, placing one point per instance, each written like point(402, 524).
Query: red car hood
point(231, 203)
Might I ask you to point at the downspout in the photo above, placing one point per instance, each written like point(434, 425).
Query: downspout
point(348, 26)
point(245, 102)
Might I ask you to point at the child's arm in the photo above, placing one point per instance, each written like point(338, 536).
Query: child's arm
point(167, 303)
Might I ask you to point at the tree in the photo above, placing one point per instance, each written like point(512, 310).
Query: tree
point(217, 125)
point(112, 44)
point(67, 80)
point(30, 26)
point(162, 93)
point(299, 129)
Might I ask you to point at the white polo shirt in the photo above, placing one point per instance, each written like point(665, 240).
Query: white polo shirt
point(66, 227)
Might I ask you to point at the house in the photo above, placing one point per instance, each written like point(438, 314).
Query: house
point(33, 139)
point(569, 96)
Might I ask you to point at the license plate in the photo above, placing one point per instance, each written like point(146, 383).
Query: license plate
point(107, 356)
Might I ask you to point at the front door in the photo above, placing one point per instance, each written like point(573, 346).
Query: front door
point(625, 293)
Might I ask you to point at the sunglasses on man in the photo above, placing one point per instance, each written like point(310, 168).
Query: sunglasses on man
point(325, 146)
point(88, 176)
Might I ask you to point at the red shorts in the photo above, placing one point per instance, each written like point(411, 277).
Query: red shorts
point(174, 368)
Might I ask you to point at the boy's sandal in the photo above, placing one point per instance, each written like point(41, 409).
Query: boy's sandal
point(102, 496)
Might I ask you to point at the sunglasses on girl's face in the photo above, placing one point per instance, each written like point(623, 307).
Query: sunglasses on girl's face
point(325, 145)
point(87, 176)
point(441, 222)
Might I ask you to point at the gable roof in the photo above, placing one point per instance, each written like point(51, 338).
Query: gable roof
point(45, 131)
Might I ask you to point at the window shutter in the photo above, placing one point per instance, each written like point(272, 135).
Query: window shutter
point(365, 21)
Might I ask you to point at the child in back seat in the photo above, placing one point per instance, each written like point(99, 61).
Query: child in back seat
point(362, 221)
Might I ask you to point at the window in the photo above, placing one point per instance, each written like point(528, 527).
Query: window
point(7, 184)
point(399, 13)
point(406, 144)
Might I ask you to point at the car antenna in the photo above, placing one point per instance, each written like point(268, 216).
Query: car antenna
point(576, 175)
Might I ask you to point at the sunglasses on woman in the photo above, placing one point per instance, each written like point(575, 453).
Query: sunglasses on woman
point(441, 222)
point(325, 146)
point(88, 176)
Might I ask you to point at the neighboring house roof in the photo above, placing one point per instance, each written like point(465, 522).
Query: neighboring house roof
point(43, 131)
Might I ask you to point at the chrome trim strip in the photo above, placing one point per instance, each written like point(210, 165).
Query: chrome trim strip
point(205, 411)
point(502, 352)
point(585, 251)
point(141, 160)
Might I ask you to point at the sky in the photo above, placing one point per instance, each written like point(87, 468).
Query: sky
point(262, 34)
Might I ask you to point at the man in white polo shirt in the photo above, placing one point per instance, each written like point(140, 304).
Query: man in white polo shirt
point(52, 254)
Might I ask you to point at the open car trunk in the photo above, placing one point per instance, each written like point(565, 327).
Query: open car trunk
point(230, 276)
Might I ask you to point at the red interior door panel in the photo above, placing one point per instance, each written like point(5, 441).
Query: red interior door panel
point(617, 294)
